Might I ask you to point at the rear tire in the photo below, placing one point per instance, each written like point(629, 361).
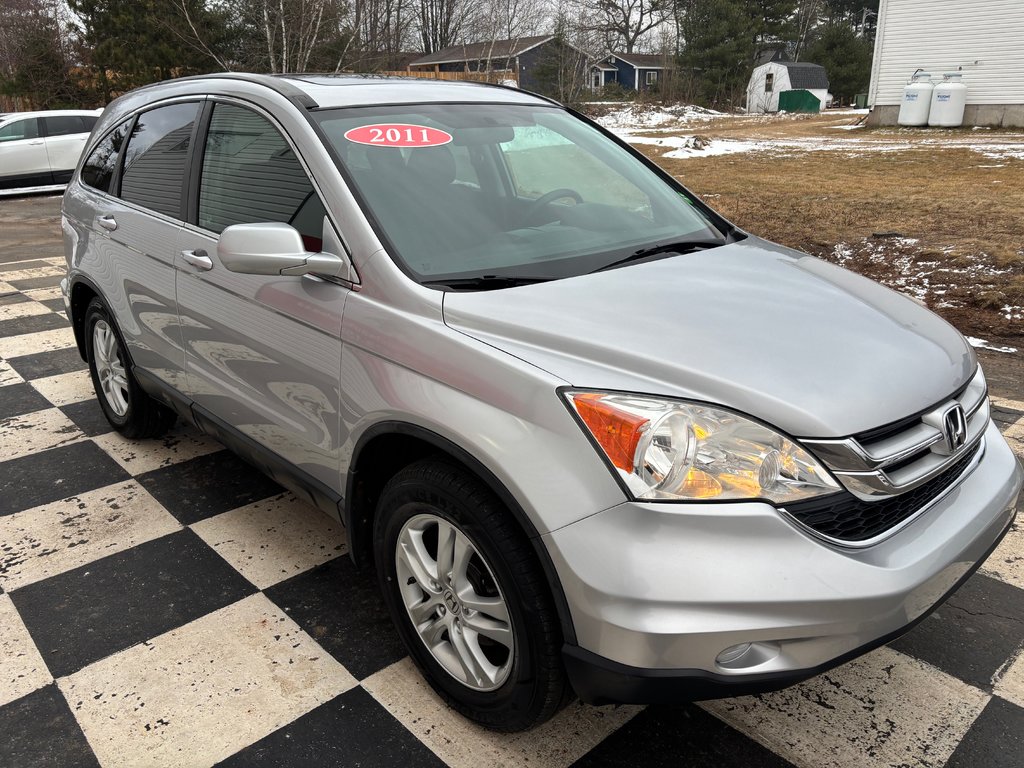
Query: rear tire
point(127, 407)
point(507, 676)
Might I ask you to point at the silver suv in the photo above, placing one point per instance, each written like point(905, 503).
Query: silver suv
point(592, 436)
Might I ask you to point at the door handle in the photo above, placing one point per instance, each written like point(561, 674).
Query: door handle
point(198, 259)
point(108, 223)
point(36, 143)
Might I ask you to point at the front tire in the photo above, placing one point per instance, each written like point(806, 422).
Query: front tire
point(126, 406)
point(465, 589)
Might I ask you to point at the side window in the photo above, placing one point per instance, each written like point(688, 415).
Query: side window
point(250, 175)
point(154, 161)
point(89, 121)
point(63, 125)
point(20, 129)
point(98, 169)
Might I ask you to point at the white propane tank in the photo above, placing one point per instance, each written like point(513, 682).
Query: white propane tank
point(917, 100)
point(948, 101)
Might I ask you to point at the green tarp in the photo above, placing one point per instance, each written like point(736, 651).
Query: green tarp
point(798, 101)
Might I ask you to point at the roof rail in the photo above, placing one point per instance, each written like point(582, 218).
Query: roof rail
point(296, 95)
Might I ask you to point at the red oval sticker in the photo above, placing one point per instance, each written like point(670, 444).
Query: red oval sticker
point(398, 135)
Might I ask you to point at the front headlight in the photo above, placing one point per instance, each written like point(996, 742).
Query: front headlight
point(672, 450)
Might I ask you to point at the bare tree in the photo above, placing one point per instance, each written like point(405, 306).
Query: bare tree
point(624, 23)
point(441, 22)
point(805, 19)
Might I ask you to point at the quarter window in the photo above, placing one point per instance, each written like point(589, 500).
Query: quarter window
point(20, 129)
point(250, 174)
point(98, 169)
point(155, 159)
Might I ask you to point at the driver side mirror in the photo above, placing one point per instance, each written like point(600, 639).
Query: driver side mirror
point(276, 249)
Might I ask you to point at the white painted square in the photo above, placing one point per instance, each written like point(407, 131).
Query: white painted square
point(199, 693)
point(462, 744)
point(273, 539)
point(66, 388)
point(182, 443)
point(882, 709)
point(34, 272)
point(1009, 681)
point(7, 288)
point(57, 537)
point(32, 432)
point(22, 309)
point(8, 375)
point(33, 343)
point(22, 669)
point(43, 294)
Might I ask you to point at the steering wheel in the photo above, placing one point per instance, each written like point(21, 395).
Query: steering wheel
point(547, 198)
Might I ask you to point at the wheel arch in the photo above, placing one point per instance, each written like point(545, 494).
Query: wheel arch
point(387, 447)
point(82, 292)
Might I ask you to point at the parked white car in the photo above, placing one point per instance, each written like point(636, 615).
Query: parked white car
point(39, 150)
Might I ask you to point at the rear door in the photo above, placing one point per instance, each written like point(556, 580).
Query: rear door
point(23, 160)
point(65, 137)
point(263, 353)
point(135, 228)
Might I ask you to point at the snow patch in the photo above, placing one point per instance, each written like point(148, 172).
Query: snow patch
point(982, 344)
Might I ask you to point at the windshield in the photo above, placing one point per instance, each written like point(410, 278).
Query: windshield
point(464, 191)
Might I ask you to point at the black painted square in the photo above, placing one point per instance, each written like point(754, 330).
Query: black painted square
point(33, 324)
point(208, 485)
point(33, 283)
point(683, 735)
point(349, 730)
point(20, 265)
point(39, 731)
point(971, 635)
point(342, 609)
point(78, 617)
point(19, 399)
point(995, 740)
point(52, 363)
point(55, 474)
point(12, 298)
point(56, 305)
point(88, 417)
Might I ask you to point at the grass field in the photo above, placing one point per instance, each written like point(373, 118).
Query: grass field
point(933, 213)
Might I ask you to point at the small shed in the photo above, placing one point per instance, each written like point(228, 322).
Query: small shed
point(770, 79)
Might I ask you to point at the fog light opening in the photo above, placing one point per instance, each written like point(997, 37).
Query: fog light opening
point(745, 656)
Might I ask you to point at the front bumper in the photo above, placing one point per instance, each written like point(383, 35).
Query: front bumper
point(658, 592)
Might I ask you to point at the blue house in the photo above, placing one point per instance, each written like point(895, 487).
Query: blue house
point(632, 71)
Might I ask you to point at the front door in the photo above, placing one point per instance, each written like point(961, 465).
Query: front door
point(65, 139)
point(262, 354)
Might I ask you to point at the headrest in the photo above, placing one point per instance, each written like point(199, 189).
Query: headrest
point(433, 165)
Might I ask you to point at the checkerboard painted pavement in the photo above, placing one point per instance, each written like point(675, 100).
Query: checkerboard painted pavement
point(163, 604)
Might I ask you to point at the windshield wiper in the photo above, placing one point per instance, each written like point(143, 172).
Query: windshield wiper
point(681, 246)
point(485, 282)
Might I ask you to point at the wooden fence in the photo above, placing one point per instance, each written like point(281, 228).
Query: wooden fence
point(477, 77)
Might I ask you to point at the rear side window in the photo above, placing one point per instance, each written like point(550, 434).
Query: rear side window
point(250, 175)
point(20, 129)
point(63, 125)
point(155, 159)
point(98, 169)
point(88, 121)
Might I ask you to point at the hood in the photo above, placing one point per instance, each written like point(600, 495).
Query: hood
point(806, 346)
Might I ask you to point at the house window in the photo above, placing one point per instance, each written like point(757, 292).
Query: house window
point(769, 82)
point(652, 77)
point(597, 79)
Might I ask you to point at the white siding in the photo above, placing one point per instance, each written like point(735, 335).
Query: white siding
point(984, 37)
point(758, 101)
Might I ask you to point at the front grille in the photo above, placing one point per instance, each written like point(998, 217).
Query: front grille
point(845, 517)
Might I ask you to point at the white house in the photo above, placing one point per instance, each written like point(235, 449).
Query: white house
point(770, 79)
point(982, 39)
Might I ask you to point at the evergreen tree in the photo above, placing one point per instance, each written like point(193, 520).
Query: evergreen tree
point(718, 48)
point(846, 58)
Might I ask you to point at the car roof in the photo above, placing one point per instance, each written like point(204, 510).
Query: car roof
point(352, 90)
point(50, 113)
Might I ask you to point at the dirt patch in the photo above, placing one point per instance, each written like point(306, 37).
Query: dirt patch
point(936, 215)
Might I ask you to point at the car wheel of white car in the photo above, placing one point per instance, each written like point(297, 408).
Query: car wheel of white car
point(129, 410)
point(467, 594)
